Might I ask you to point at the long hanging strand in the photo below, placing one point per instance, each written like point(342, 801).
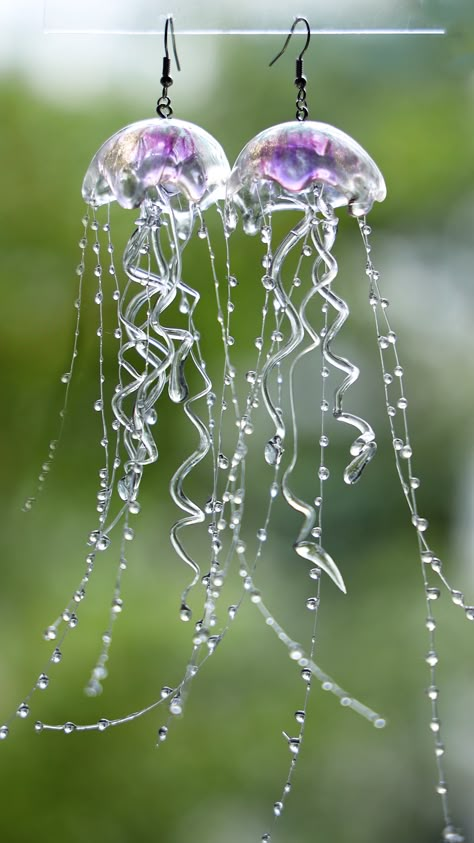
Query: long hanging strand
point(312, 603)
point(387, 340)
point(67, 376)
point(99, 672)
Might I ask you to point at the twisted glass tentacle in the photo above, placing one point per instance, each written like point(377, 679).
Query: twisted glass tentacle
point(364, 447)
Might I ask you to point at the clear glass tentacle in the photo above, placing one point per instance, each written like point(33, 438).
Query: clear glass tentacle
point(363, 449)
point(397, 412)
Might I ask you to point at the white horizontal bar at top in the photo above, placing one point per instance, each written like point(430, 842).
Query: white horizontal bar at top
point(284, 32)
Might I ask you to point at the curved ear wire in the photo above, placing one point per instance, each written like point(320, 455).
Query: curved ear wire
point(285, 45)
point(300, 80)
point(170, 25)
point(163, 106)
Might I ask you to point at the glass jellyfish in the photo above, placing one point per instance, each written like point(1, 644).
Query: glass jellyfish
point(171, 172)
point(311, 170)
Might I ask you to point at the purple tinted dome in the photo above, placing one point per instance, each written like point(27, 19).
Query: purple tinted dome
point(281, 164)
point(172, 154)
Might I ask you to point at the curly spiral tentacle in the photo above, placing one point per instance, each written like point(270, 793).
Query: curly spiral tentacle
point(364, 446)
point(297, 331)
point(194, 514)
point(138, 440)
point(306, 549)
point(296, 503)
point(299, 325)
point(177, 386)
point(163, 363)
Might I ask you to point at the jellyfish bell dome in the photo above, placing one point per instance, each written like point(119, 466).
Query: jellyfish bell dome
point(157, 157)
point(282, 165)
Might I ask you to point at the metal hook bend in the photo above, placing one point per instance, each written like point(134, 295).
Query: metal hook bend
point(170, 25)
point(163, 106)
point(308, 39)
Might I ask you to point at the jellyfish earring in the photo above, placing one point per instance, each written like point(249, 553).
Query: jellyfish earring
point(171, 172)
point(314, 169)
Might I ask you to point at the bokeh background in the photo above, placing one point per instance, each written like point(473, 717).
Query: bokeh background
point(410, 101)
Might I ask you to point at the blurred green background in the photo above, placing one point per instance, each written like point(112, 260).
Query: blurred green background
point(410, 102)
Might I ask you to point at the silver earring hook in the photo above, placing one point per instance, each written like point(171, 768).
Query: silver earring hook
point(170, 25)
point(300, 80)
point(285, 45)
point(163, 106)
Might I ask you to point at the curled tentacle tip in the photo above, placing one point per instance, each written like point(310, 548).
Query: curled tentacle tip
point(317, 556)
point(178, 393)
point(185, 612)
point(355, 468)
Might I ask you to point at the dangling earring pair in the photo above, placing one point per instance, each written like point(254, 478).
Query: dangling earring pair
point(174, 174)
